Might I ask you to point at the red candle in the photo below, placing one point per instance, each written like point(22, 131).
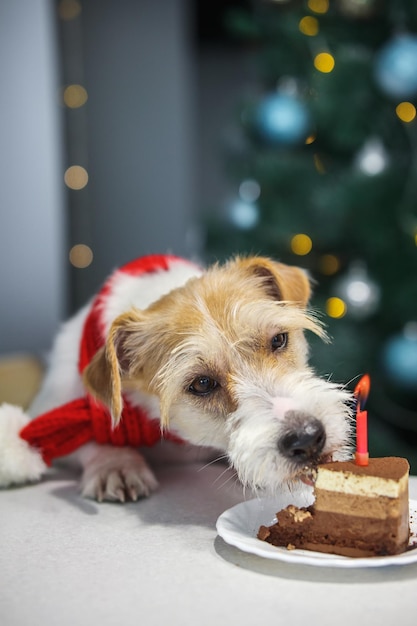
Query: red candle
point(361, 393)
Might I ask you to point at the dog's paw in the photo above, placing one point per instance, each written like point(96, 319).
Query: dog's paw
point(117, 475)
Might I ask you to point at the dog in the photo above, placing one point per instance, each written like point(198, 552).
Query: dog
point(219, 358)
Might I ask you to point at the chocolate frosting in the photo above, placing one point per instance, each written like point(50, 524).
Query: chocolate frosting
point(389, 467)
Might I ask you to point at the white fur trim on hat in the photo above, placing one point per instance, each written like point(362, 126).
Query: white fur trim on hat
point(19, 462)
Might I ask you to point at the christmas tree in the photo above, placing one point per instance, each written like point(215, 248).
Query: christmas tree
point(325, 172)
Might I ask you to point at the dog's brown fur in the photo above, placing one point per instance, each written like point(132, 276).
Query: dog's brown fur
point(220, 310)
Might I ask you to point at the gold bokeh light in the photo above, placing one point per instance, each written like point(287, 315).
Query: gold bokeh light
point(309, 26)
point(301, 244)
point(76, 177)
point(318, 6)
point(329, 264)
point(81, 256)
point(69, 9)
point(406, 111)
point(318, 164)
point(335, 307)
point(75, 96)
point(324, 62)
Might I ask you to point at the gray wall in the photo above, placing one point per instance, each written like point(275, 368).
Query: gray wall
point(138, 148)
point(139, 71)
point(31, 204)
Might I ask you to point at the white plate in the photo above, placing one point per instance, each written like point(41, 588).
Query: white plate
point(239, 525)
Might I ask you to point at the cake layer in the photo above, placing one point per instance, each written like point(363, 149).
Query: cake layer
point(387, 477)
point(385, 536)
point(358, 511)
point(336, 533)
point(340, 550)
point(362, 506)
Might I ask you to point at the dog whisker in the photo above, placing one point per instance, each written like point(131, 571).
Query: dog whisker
point(233, 477)
point(225, 471)
point(218, 459)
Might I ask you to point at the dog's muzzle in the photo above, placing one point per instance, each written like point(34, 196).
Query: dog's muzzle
point(303, 440)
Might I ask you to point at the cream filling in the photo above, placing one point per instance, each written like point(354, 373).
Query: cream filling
point(369, 486)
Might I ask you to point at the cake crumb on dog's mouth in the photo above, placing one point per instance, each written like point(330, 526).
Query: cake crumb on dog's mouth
point(308, 474)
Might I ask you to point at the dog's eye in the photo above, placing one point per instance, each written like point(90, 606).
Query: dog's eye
point(203, 385)
point(279, 341)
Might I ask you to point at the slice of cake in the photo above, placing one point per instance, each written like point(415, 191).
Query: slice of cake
point(358, 511)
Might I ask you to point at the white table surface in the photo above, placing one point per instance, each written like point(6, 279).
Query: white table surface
point(66, 561)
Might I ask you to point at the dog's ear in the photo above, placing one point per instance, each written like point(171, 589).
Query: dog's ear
point(103, 375)
point(281, 282)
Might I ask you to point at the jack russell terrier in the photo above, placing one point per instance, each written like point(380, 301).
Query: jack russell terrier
point(172, 353)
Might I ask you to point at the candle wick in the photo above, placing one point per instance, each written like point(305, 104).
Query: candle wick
point(361, 402)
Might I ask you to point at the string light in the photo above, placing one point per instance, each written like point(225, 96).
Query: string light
point(81, 256)
point(310, 139)
point(76, 177)
point(69, 9)
point(309, 26)
point(301, 244)
point(318, 6)
point(335, 307)
point(324, 62)
point(75, 96)
point(406, 111)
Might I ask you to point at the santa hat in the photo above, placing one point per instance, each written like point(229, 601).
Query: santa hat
point(28, 446)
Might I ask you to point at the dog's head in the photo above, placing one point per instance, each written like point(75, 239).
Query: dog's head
point(227, 358)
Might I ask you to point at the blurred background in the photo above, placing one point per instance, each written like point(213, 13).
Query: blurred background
point(279, 127)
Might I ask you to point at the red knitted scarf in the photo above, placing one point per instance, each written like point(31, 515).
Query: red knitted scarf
point(65, 428)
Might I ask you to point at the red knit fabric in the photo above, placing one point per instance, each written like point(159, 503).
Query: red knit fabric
point(64, 429)
point(94, 332)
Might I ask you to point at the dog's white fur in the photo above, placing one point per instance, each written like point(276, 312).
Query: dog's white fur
point(169, 334)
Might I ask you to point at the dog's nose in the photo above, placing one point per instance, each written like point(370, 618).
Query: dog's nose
point(305, 439)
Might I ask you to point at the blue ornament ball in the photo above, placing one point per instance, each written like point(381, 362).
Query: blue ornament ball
point(282, 119)
point(396, 67)
point(400, 360)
